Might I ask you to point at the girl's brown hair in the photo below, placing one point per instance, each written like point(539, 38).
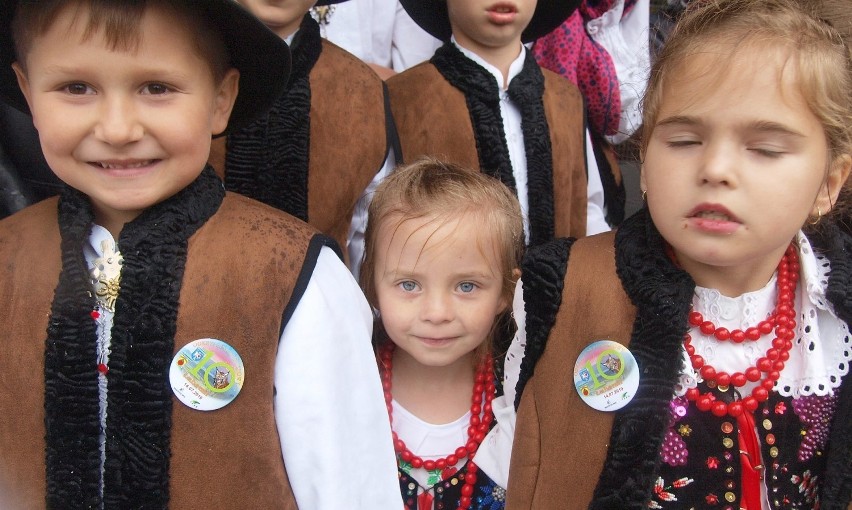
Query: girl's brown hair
point(814, 34)
point(430, 187)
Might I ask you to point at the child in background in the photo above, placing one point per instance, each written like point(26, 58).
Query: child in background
point(159, 331)
point(326, 141)
point(442, 251)
point(483, 102)
point(735, 391)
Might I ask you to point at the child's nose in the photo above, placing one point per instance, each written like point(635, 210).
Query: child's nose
point(118, 123)
point(719, 164)
point(437, 307)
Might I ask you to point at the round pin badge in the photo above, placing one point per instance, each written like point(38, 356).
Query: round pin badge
point(207, 374)
point(606, 375)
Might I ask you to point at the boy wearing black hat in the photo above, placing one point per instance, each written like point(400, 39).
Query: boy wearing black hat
point(483, 102)
point(325, 139)
point(198, 343)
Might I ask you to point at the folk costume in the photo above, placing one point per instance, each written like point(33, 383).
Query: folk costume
point(531, 135)
point(319, 147)
point(661, 450)
point(173, 290)
point(89, 415)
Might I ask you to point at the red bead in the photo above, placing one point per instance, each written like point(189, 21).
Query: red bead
point(768, 384)
point(752, 374)
point(697, 362)
point(719, 408)
point(704, 403)
point(784, 355)
point(689, 349)
point(750, 404)
point(753, 333)
point(406, 455)
point(429, 465)
point(464, 502)
point(461, 452)
point(764, 364)
point(467, 490)
point(723, 379)
point(452, 460)
point(692, 393)
point(735, 408)
point(738, 336)
point(471, 446)
point(765, 327)
point(778, 365)
point(708, 372)
point(760, 394)
point(773, 375)
point(707, 328)
point(416, 462)
point(695, 318)
point(102, 368)
point(772, 354)
point(738, 379)
point(722, 334)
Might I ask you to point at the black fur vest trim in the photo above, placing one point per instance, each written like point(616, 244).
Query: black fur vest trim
point(269, 160)
point(482, 95)
point(154, 247)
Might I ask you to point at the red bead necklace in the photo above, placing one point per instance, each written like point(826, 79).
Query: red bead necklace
point(782, 320)
point(477, 430)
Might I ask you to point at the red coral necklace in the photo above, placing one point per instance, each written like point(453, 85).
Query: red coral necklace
point(782, 320)
point(478, 429)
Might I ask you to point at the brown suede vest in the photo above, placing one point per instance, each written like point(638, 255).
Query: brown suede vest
point(557, 456)
point(348, 139)
point(432, 119)
point(241, 269)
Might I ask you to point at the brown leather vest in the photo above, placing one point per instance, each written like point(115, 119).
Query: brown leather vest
point(348, 139)
point(432, 119)
point(241, 268)
point(557, 456)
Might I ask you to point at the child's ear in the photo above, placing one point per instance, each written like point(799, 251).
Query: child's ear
point(226, 95)
point(23, 84)
point(837, 175)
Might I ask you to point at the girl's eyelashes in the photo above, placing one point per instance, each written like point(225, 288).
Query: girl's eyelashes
point(467, 287)
point(408, 285)
point(682, 143)
point(769, 153)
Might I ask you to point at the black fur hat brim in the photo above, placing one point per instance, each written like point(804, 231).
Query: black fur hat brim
point(432, 16)
point(262, 57)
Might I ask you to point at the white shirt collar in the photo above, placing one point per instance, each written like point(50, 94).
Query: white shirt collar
point(514, 68)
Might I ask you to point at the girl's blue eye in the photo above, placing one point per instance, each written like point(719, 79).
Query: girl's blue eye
point(408, 286)
point(466, 287)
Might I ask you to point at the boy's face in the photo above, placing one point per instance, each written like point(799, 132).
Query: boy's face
point(489, 24)
point(281, 16)
point(129, 128)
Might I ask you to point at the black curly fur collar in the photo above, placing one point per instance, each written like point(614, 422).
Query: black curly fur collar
point(269, 160)
point(483, 102)
point(154, 247)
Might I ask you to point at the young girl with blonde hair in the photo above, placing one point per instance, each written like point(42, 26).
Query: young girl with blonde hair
point(725, 301)
point(443, 245)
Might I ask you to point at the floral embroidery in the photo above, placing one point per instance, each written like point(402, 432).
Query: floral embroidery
point(712, 462)
point(780, 407)
point(685, 430)
point(808, 485)
point(711, 499)
point(662, 491)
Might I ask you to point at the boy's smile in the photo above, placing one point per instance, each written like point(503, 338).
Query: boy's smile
point(129, 127)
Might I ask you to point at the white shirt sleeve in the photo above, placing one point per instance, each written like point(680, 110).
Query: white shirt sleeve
point(626, 39)
point(595, 208)
point(411, 44)
point(358, 226)
point(329, 406)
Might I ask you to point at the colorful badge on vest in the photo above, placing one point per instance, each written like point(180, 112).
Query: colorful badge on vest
point(606, 375)
point(207, 374)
